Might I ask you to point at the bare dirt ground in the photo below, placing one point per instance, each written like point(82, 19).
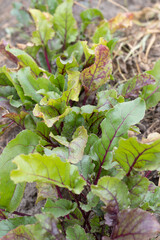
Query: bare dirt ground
point(127, 62)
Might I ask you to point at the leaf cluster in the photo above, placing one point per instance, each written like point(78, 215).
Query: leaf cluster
point(74, 141)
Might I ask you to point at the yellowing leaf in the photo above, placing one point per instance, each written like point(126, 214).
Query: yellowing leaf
point(47, 169)
point(97, 74)
point(122, 20)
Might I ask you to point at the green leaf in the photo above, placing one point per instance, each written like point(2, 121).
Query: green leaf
point(76, 233)
point(47, 169)
point(64, 65)
point(131, 154)
point(44, 24)
point(25, 60)
point(151, 93)
point(151, 201)
point(71, 122)
point(75, 50)
point(112, 190)
point(97, 74)
point(20, 232)
point(21, 15)
point(108, 99)
point(116, 124)
point(102, 30)
point(89, 16)
point(64, 23)
point(92, 201)
point(9, 224)
point(135, 224)
point(59, 208)
point(138, 188)
point(86, 167)
point(73, 87)
point(76, 146)
point(89, 53)
point(25, 142)
point(51, 111)
point(4, 77)
point(17, 118)
point(28, 84)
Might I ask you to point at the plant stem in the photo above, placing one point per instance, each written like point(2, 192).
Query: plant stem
point(85, 215)
point(60, 196)
point(47, 60)
point(85, 98)
point(17, 213)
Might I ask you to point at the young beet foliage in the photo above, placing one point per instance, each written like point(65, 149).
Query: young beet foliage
point(74, 134)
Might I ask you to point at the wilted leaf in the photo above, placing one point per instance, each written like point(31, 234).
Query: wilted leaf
point(64, 23)
point(98, 74)
point(76, 146)
point(131, 154)
point(7, 54)
point(25, 60)
point(131, 89)
point(112, 190)
point(47, 169)
point(122, 20)
point(59, 208)
point(25, 142)
point(135, 224)
point(46, 191)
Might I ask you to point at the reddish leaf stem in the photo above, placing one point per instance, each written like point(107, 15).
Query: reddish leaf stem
point(47, 60)
point(151, 93)
point(17, 213)
point(60, 196)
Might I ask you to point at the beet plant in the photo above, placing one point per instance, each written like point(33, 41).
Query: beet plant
point(74, 139)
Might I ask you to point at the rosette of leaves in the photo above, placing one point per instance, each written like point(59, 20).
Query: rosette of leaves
point(75, 149)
